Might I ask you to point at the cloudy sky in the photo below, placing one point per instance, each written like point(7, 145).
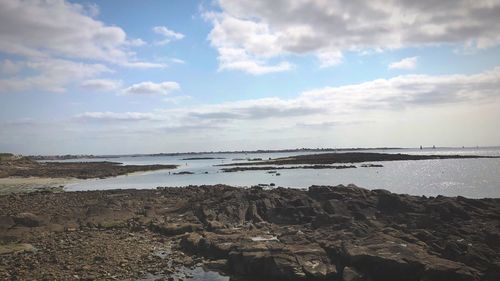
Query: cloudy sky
point(122, 76)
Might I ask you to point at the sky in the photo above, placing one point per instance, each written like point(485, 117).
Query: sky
point(123, 76)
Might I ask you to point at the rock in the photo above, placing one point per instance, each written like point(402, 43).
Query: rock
point(252, 214)
point(176, 228)
point(350, 274)
point(326, 219)
point(388, 261)
point(334, 206)
point(314, 261)
point(11, 248)
point(446, 270)
point(326, 233)
point(387, 258)
point(273, 260)
point(391, 203)
point(209, 245)
point(28, 220)
point(218, 265)
point(215, 225)
point(6, 222)
point(447, 209)
point(189, 242)
point(109, 224)
point(492, 273)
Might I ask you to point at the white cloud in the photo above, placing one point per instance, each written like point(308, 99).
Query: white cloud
point(144, 65)
point(176, 60)
point(415, 109)
point(348, 103)
point(59, 28)
point(169, 35)
point(244, 45)
point(261, 30)
point(106, 85)
point(55, 40)
point(238, 59)
point(258, 109)
point(408, 91)
point(149, 88)
point(8, 67)
point(143, 88)
point(329, 58)
point(406, 63)
point(115, 116)
point(50, 75)
point(136, 42)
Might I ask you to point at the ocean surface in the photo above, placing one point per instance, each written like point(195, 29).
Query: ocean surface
point(474, 178)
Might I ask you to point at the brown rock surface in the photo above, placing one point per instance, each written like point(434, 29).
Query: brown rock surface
point(324, 233)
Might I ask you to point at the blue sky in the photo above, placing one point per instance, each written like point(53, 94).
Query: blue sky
point(162, 76)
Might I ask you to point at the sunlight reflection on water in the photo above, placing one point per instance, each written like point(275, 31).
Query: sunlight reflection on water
point(474, 178)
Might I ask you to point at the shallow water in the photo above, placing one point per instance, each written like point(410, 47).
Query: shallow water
point(196, 274)
point(475, 178)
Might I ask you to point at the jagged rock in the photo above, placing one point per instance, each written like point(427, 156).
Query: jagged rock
point(209, 244)
point(190, 242)
point(281, 262)
point(383, 257)
point(252, 214)
point(391, 203)
point(326, 219)
point(447, 209)
point(325, 233)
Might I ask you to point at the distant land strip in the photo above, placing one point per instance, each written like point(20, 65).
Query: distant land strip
point(15, 166)
point(90, 156)
point(350, 157)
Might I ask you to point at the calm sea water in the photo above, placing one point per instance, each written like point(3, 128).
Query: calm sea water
point(475, 178)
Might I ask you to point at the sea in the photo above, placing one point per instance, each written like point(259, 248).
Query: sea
point(473, 178)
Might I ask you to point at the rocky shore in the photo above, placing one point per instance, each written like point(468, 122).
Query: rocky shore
point(323, 233)
point(16, 166)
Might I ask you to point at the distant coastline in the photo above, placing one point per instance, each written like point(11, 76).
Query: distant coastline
point(92, 156)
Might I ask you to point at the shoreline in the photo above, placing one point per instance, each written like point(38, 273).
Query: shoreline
point(325, 232)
